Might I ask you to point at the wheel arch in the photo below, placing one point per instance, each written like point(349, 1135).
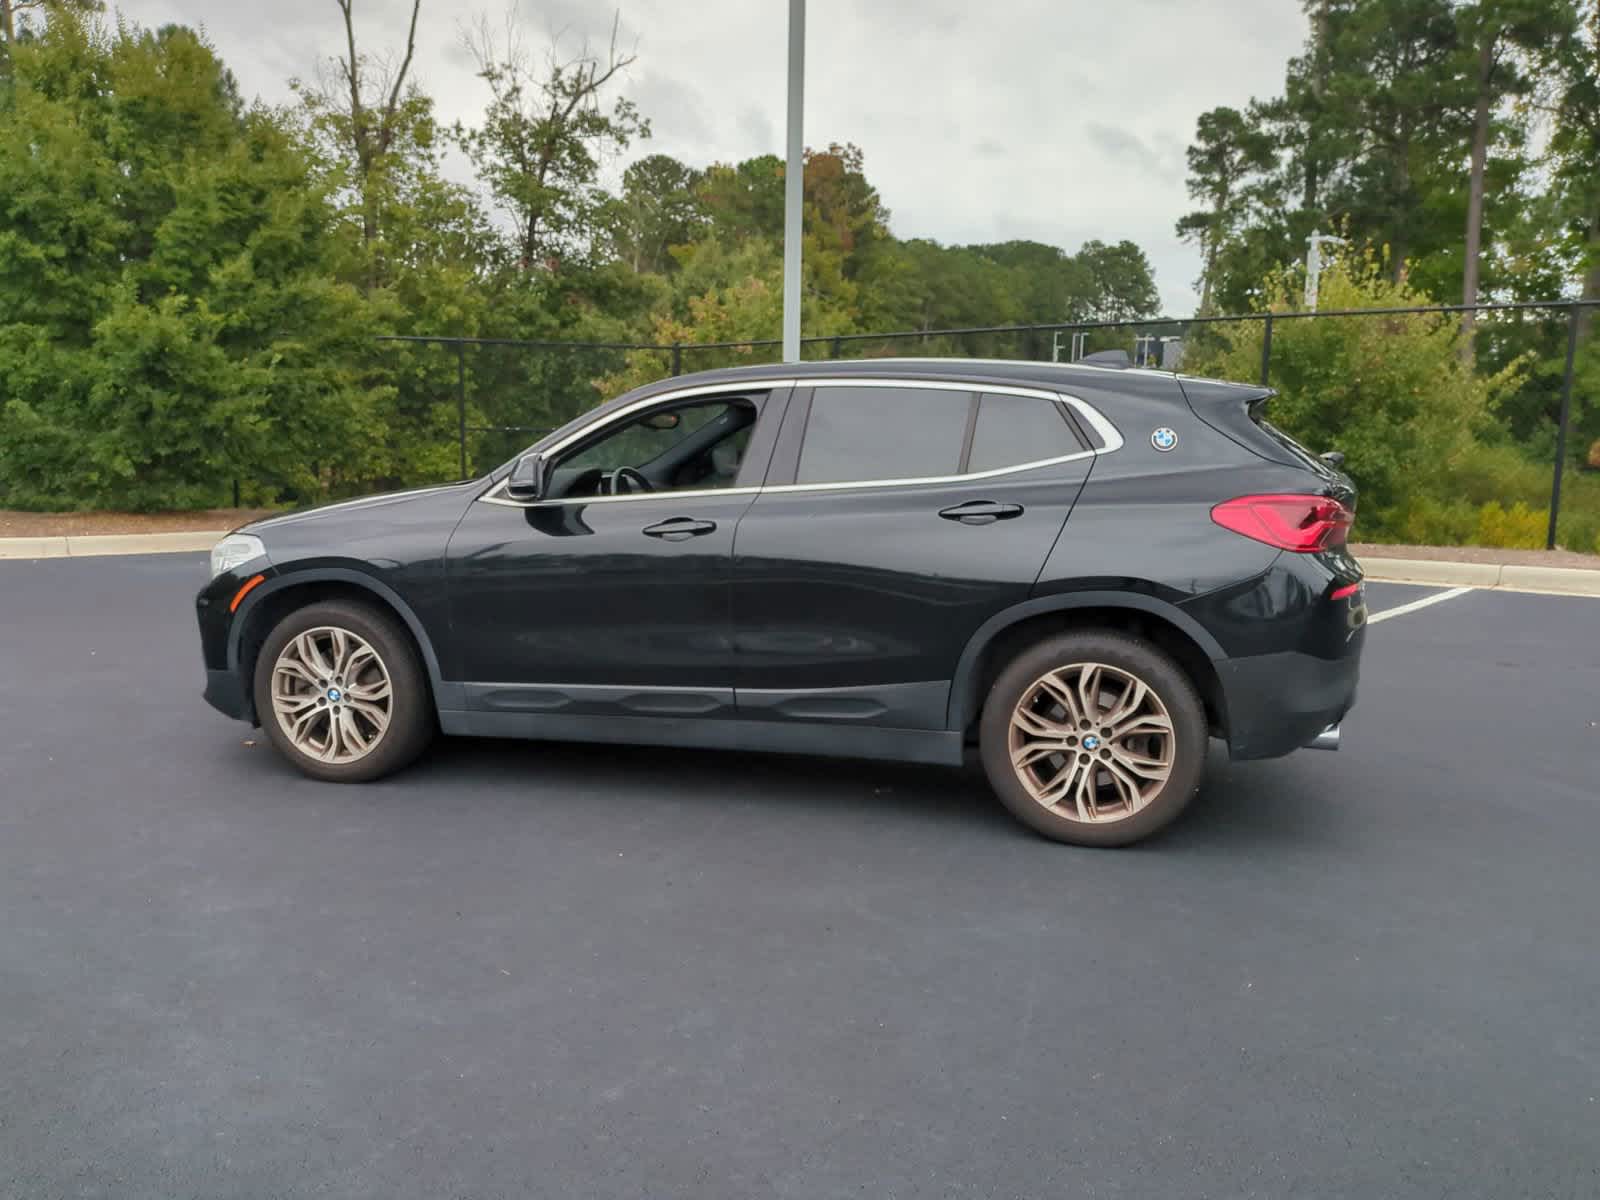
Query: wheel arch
point(999, 639)
point(275, 599)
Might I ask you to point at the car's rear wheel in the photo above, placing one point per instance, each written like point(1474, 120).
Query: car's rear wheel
point(341, 693)
point(1094, 737)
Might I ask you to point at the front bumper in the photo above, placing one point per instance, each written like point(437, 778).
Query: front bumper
point(226, 690)
point(228, 695)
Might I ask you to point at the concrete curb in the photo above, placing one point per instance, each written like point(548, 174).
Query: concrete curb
point(1568, 581)
point(95, 545)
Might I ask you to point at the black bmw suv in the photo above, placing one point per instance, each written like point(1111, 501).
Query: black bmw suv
point(1085, 571)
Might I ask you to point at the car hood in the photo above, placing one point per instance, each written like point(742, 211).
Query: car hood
point(376, 508)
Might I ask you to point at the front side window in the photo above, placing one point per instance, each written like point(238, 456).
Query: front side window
point(685, 447)
point(866, 433)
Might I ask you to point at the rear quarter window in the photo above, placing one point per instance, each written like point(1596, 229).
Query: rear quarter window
point(1013, 430)
point(1295, 449)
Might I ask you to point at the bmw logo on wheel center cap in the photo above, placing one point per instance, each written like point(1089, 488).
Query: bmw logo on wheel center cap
point(334, 695)
point(1091, 743)
point(1164, 439)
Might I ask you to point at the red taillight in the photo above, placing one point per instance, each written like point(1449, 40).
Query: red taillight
point(1299, 523)
point(1345, 592)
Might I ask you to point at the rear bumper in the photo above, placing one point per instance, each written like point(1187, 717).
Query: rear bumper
point(1279, 702)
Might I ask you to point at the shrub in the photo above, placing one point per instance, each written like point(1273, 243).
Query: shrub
point(1392, 393)
point(1518, 527)
point(1426, 522)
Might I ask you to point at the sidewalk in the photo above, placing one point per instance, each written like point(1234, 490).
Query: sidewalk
point(94, 544)
point(1483, 567)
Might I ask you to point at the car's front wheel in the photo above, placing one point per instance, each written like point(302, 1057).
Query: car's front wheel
point(1094, 737)
point(341, 693)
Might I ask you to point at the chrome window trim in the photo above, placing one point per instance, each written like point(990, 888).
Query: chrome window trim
point(926, 480)
point(687, 494)
point(733, 390)
point(1104, 429)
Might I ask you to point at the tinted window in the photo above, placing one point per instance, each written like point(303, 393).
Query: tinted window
point(883, 433)
point(1295, 449)
point(693, 446)
point(1019, 429)
point(648, 437)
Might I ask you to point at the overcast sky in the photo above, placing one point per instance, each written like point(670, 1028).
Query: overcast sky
point(981, 120)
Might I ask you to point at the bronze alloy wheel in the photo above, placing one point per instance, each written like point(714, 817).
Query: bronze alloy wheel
point(1091, 742)
point(331, 695)
point(341, 691)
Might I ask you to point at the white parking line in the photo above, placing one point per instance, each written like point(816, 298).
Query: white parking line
point(1436, 598)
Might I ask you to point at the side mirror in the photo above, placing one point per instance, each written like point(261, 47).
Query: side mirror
point(1334, 458)
point(527, 478)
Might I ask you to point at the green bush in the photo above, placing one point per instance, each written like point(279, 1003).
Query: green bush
point(1518, 527)
point(1391, 392)
point(1423, 433)
point(1426, 522)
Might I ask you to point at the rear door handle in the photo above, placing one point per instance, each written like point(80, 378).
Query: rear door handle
point(678, 529)
point(981, 512)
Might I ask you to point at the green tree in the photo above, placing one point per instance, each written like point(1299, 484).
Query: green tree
point(167, 320)
point(1373, 135)
point(746, 200)
point(1123, 285)
point(657, 210)
point(1391, 393)
point(20, 18)
point(1503, 41)
point(363, 116)
point(539, 147)
point(1228, 156)
point(1575, 148)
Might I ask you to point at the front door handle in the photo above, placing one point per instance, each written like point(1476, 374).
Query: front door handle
point(678, 529)
point(981, 512)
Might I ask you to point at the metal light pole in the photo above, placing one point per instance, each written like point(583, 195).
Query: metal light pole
point(1314, 264)
point(794, 182)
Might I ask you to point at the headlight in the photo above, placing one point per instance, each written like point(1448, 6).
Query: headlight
point(234, 551)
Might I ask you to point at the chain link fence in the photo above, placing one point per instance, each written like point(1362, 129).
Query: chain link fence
point(1524, 480)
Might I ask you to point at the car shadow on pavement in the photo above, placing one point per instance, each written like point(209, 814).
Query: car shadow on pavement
point(1242, 805)
point(1272, 804)
point(714, 777)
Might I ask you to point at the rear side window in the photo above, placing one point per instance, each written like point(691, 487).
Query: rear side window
point(866, 433)
point(1012, 430)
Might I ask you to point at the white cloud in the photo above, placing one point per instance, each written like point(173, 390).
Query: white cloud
point(1060, 120)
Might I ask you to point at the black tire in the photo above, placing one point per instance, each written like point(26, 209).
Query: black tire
point(411, 715)
point(1145, 663)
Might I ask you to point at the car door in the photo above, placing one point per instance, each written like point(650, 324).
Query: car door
point(897, 518)
point(603, 600)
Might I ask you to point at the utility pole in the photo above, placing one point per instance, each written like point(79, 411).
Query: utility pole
point(1316, 242)
point(794, 182)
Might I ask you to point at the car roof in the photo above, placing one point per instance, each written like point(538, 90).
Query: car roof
point(1066, 376)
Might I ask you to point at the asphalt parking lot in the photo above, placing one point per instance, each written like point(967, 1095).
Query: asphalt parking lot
point(524, 970)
